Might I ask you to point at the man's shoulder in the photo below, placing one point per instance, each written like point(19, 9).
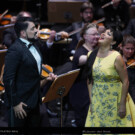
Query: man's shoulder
point(16, 45)
point(77, 23)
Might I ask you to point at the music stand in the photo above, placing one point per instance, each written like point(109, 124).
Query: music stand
point(60, 87)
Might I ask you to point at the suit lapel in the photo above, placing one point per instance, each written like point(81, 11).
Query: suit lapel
point(40, 55)
point(29, 54)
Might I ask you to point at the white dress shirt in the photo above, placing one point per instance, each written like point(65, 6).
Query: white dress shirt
point(34, 53)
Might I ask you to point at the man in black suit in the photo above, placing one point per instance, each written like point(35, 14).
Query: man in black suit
point(22, 76)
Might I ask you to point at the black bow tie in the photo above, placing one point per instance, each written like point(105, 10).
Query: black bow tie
point(29, 45)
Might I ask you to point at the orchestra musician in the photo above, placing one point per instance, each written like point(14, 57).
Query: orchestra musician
point(22, 76)
point(117, 13)
point(87, 16)
point(9, 34)
point(78, 95)
point(127, 50)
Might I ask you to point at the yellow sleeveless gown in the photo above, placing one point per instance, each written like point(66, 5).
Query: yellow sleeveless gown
point(106, 95)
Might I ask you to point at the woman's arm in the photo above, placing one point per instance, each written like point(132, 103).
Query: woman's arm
point(82, 60)
point(122, 71)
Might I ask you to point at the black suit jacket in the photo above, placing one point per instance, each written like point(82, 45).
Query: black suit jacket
point(21, 77)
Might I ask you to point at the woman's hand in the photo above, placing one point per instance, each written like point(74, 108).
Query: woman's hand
point(122, 110)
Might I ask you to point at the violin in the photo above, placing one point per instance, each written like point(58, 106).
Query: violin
point(5, 19)
point(1, 86)
point(44, 34)
point(46, 69)
point(131, 63)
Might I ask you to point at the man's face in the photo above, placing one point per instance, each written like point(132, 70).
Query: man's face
point(31, 31)
point(87, 15)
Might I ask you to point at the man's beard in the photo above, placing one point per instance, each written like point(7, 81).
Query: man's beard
point(32, 40)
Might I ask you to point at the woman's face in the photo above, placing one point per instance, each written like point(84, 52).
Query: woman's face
point(92, 36)
point(128, 50)
point(106, 38)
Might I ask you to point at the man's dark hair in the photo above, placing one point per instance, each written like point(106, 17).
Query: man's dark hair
point(85, 6)
point(22, 13)
point(22, 24)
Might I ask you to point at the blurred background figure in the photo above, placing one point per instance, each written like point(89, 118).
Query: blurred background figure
point(117, 13)
point(87, 16)
point(127, 50)
point(130, 29)
point(9, 34)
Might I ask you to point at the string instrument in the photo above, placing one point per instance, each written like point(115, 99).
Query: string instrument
point(131, 63)
point(1, 86)
point(46, 69)
point(5, 19)
point(45, 33)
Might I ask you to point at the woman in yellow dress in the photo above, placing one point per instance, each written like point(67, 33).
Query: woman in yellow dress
point(111, 106)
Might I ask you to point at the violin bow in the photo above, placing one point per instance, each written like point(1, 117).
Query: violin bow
point(75, 31)
point(131, 64)
point(6, 26)
point(5, 12)
point(78, 30)
point(110, 3)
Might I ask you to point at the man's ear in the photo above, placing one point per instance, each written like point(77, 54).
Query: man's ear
point(23, 33)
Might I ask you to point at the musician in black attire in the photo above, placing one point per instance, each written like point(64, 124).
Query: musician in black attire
point(117, 14)
point(9, 35)
point(78, 94)
point(87, 16)
point(127, 50)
